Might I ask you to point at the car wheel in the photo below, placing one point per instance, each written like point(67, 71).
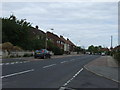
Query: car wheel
point(49, 57)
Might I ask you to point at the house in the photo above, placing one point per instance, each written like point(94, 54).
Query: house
point(67, 45)
point(54, 39)
point(36, 33)
point(71, 45)
point(117, 48)
point(64, 43)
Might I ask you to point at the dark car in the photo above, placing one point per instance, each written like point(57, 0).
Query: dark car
point(42, 53)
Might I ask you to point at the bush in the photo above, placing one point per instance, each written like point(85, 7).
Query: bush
point(117, 56)
point(27, 55)
point(12, 56)
point(57, 51)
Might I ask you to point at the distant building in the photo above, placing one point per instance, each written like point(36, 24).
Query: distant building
point(117, 48)
point(37, 33)
point(71, 45)
point(68, 45)
point(54, 39)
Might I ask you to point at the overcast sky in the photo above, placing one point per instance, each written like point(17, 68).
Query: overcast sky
point(84, 23)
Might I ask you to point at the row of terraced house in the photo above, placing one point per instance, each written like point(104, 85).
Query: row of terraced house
point(59, 41)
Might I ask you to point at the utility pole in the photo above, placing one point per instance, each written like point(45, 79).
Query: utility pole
point(111, 41)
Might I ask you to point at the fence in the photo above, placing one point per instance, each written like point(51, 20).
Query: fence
point(6, 54)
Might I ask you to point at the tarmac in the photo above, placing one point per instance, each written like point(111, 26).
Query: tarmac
point(105, 66)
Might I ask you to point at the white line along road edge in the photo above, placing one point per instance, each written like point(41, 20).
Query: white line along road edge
point(49, 65)
point(17, 73)
point(73, 77)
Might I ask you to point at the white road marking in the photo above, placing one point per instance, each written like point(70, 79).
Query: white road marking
point(73, 77)
point(12, 63)
point(7, 63)
point(72, 60)
point(49, 65)
point(64, 62)
point(17, 73)
point(24, 61)
point(21, 62)
point(16, 62)
point(1, 63)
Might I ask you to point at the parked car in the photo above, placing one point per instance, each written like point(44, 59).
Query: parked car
point(103, 54)
point(42, 53)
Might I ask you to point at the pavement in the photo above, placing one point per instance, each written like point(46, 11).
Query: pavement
point(104, 66)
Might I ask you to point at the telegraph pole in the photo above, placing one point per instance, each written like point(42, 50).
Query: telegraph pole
point(111, 41)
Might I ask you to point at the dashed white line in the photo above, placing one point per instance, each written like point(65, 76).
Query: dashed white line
point(1, 64)
point(12, 63)
point(16, 62)
point(73, 77)
point(17, 73)
point(7, 63)
point(72, 60)
point(21, 62)
point(64, 62)
point(49, 65)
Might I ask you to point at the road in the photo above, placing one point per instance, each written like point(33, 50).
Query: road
point(53, 73)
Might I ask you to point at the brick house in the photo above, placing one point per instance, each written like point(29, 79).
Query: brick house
point(36, 33)
point(71, 45)
point(54, 39)
point(67, 44)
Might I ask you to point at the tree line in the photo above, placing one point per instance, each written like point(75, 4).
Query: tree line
point(16, 32)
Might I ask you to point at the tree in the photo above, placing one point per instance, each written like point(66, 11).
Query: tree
point(15, 31)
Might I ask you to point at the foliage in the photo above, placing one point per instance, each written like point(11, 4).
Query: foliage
point(16, 48)
point(117, 56)
point(7, 46)
point(56, 50)
point(79, 49)
point(15, 31)
point(96, 49)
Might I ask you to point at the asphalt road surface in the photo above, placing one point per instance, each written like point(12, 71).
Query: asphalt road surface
point(54, 73)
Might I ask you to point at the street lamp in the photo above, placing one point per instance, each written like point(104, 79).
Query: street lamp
point(46, 38)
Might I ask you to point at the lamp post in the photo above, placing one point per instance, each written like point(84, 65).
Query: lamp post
point(46, 38)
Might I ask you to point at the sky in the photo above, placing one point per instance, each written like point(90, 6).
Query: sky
point(84, 23)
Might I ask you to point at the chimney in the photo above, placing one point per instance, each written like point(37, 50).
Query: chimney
point(61, 36)
point(36, 27)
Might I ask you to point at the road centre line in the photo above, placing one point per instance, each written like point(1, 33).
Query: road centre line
point(73, 77)
point(73, 60)
point(64, 62)
point(13, 63)
point(49, 65)
point(17, 73)
point(7, 63)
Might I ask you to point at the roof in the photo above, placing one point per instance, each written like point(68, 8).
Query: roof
point(35, 31)
point(53, 36)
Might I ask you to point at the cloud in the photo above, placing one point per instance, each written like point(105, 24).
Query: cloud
point(91, 23)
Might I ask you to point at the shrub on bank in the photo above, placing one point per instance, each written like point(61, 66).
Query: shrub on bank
point(27, 55)
point(117, 56)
